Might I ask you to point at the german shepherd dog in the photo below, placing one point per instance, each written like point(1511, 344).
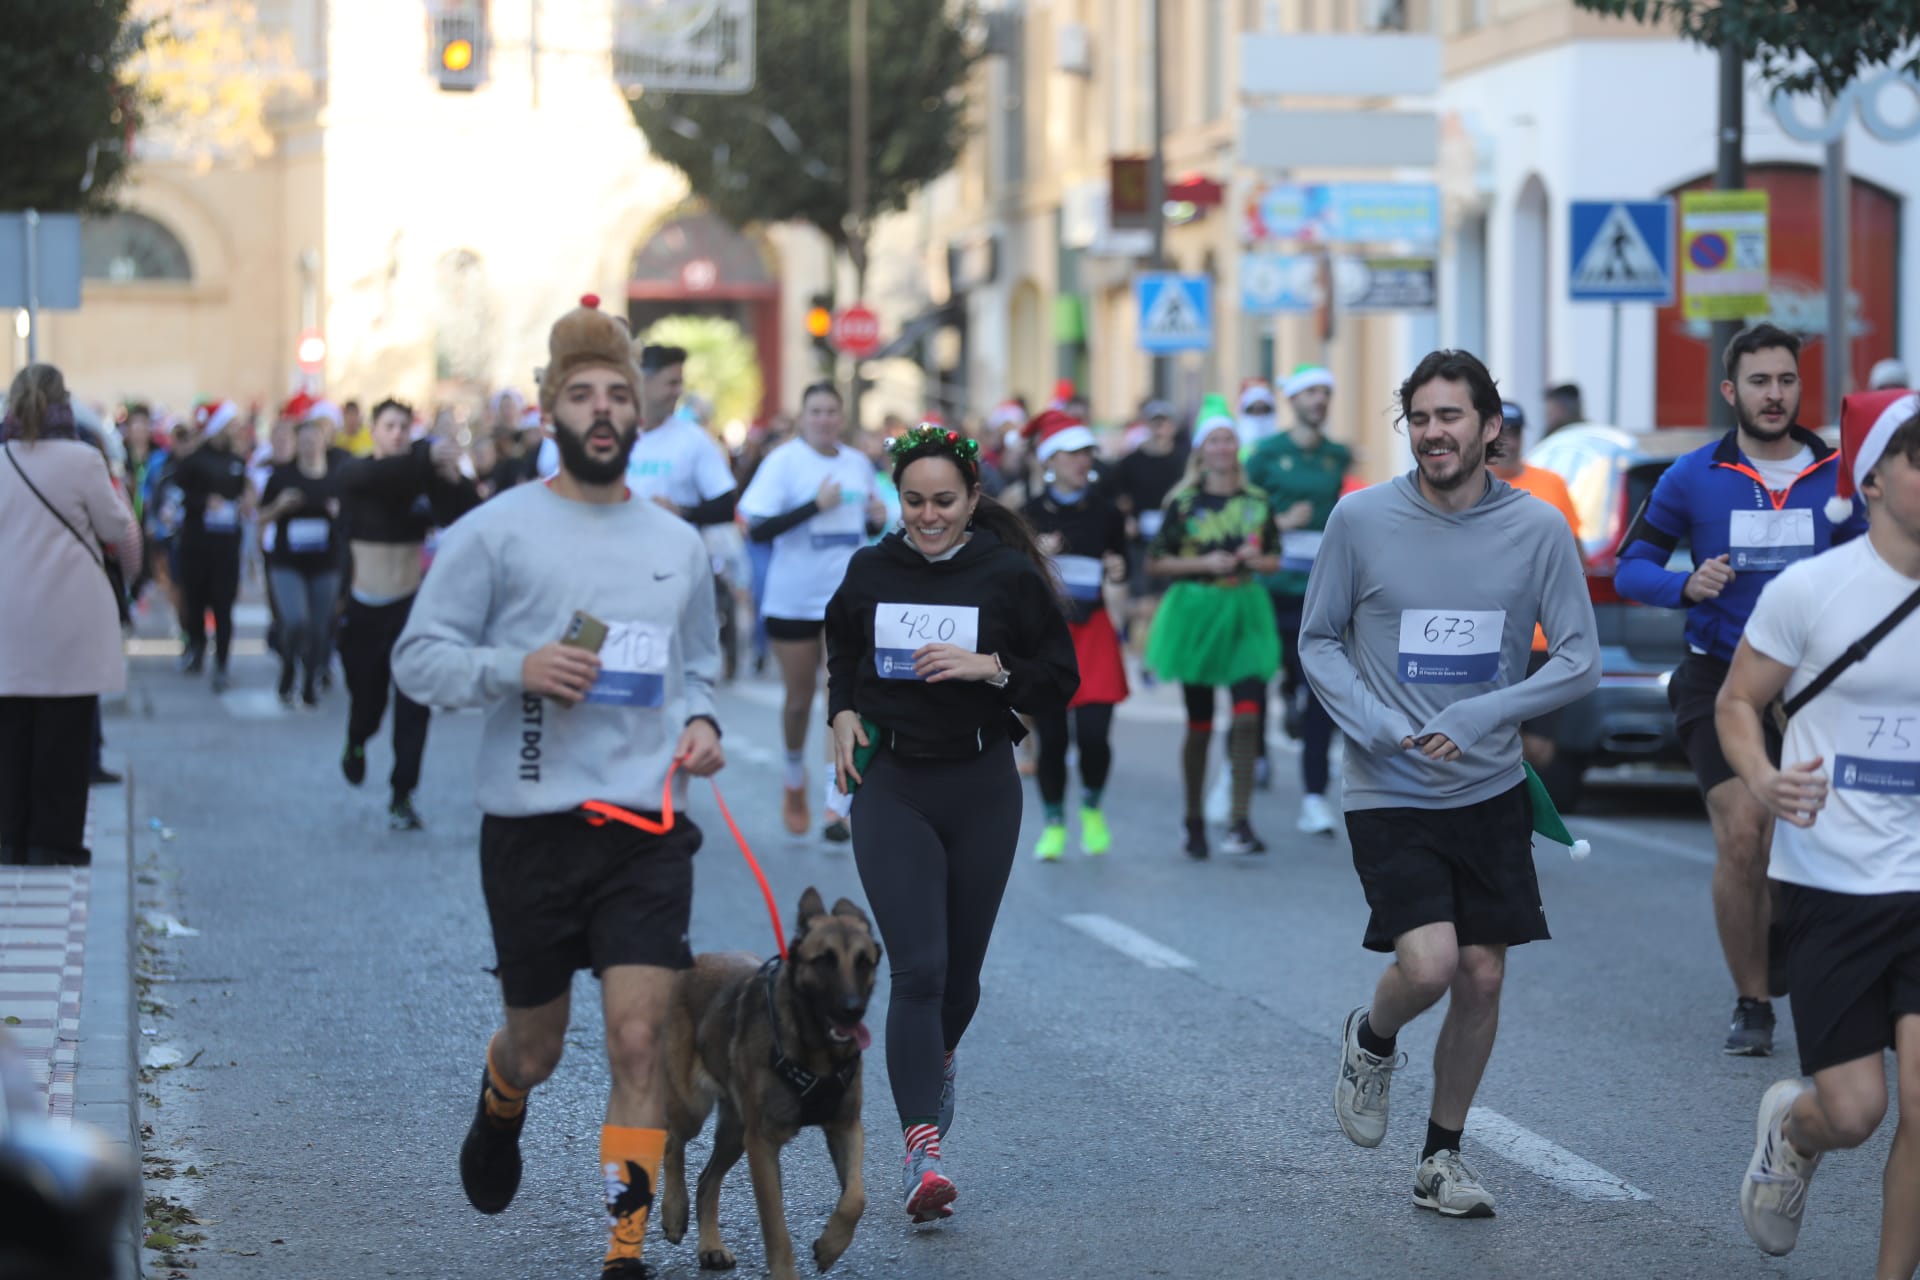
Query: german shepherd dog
point(777, 1047)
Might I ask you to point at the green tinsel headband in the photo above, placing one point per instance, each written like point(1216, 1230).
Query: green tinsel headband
point(930, 435)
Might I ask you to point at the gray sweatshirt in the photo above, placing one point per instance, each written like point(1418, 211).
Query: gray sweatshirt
point(1418, 621)
point(506, 581)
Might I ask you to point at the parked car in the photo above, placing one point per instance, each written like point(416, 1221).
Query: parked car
point(1609, 472)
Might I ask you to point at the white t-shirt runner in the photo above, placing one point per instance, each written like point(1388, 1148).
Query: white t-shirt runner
point(810, 560)
point(1865, 725)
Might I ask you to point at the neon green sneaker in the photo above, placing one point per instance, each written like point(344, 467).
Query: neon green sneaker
point(1053, 842)
point(1095, 839)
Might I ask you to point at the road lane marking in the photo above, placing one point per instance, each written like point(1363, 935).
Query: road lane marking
point(1646, 839)
point(1519, 1145)
point(1128, 941)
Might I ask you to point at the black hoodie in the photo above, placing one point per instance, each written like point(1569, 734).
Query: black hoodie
point(1019, 619)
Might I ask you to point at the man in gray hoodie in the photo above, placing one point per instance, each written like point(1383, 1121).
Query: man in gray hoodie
point(1418, 623)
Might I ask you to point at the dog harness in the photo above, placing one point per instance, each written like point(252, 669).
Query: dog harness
point(819, 1096)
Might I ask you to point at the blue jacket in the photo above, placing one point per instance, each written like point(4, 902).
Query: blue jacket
point(1696, 501)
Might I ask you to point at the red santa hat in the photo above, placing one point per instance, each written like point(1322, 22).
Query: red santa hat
point(1868, 420)
point(1006, 414)
point(298, 409)
point(215, 416)
point(1054, 432)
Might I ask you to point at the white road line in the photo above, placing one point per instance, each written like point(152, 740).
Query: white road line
point(1592, 827)
point(1129, 942)
point(1522, 1146)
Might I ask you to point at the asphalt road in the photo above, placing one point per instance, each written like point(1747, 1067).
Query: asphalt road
point(1146, 1090)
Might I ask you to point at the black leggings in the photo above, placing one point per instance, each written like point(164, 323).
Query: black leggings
point(368, 633)
point(1091, 726)
point(934, 841)
point(209, 580)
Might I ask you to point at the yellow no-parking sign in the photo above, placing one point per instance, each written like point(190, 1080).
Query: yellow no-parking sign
point(1723, 254)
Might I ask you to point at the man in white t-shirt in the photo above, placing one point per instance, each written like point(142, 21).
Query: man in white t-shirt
point(1846, 847)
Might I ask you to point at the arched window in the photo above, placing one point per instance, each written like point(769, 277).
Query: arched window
point(128, 246)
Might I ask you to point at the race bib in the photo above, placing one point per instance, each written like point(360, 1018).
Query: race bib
point(1080, 575)
point(633, 665)
point(1299, 548)
point(1887, 737)
point(1150, 522)
point(822, 541)
point(1769, 540)
point(308, 535)
point(220, 516)
point(1450, 646)
point(900, 630)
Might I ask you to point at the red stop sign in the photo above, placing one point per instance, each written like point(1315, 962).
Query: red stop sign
point(856, 332)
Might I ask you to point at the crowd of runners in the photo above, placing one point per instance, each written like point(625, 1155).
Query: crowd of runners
point(973, 604)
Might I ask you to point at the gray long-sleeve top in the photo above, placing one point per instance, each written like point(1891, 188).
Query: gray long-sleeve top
point(506, 581)
point(1420, 621)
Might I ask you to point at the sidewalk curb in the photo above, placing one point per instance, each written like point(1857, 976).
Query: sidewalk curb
point(106, 1075)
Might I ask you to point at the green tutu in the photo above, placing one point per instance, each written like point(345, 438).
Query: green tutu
point(1214, 634)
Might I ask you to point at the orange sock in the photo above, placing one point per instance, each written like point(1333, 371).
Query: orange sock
point(630, 1160)
point(504, 1102)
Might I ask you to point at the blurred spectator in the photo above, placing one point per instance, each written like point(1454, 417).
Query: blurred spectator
point(353, 435)
point(1563, 407)
point(1888, 374)
point(60, 519)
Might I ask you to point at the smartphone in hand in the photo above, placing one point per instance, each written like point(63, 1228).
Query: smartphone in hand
point(584, 631)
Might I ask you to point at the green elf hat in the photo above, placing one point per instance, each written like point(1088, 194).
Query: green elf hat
point(1547, 820)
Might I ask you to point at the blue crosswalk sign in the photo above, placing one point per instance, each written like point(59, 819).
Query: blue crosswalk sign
point(1622, 251)
point(1176, 312)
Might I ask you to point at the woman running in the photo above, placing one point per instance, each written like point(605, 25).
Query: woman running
point(937, 634)
point(1215, 627)
point(813, 498)
point(301, 513)
point(212, 480)
point(392, 500)
point(1086, 535)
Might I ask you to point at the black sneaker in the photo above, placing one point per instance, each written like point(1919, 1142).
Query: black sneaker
point(1196, 843)
point(626, 1269)
point(192, 662)
point(490, 1157)
point(221, 680)
point(401, 815)
point(837, 831)
point(285, 688)
point(353, 762)
point(1242, 839)
point(1751, 1035)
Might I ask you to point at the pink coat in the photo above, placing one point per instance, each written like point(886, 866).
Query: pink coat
point(59, 626)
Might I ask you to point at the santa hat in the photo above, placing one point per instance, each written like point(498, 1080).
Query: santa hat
point(214, 416)
point(1213, 416)
point(1056, 432)
point(1008, 414)
point(586, 338)
point(1868, 420)
point(1256, 391)
point(297, 409)
point(1305, 377)
point(326, 411)
point(1063, 394)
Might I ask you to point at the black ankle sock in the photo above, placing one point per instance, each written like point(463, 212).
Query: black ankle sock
point(1439, 1139)
point(1378, 1045)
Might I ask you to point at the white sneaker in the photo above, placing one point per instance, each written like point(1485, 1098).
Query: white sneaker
point(1316, 816)
point(1774, 1194)
point(1218, 806)
point(1446, 1184)
point(1360, 1094)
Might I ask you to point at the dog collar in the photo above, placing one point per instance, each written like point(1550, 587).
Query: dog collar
point(818, 1094)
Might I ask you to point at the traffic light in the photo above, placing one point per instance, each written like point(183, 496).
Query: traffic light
point(458, 46)
point(820, 328)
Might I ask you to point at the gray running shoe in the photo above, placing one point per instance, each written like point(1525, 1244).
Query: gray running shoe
point(947, 1079)
point(1360, 1094)
point(1751, 1035)
point(1445, 1183)
point(930, 1193)
point(1774, 1194)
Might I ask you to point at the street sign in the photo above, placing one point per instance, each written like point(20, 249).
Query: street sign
point(856, 332)
point(1304, 139)
point(1377, 64)
point(48, 260)
point(1386, 284)
point(1724, 269)
point(1279, 283)
point(683, 46)
point(1176, 312)
point(1621, 251)
point(1346, 213)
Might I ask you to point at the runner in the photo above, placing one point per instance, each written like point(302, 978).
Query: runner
point(1301, 472)
point(1748, 505)
point(1215, 628)
point(392, 500)
point(1407, 642)
point(212, 480)
point(1086, 536)
point(301, 511)
point(935, 636)
point(1257, 419)
point(567, 725)
point(1846, 857)
point(814, 500)
point(1142, 481)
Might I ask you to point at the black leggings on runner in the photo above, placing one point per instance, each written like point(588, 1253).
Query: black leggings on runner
point(934, 841)
point(209, 581)
point(1091, 726)
point(368, 633)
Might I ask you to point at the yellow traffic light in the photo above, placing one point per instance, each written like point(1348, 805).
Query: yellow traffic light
point(819, 322)
point(457, 55)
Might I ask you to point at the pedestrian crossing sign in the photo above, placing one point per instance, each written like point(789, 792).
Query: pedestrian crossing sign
point(1622, 251)
point(1176, 312)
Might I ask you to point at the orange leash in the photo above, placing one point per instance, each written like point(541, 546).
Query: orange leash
point(602, 813)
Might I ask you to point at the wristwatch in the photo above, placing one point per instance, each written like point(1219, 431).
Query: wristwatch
point(999, 678)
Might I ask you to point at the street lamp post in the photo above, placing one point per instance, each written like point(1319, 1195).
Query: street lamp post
point(1157, 176)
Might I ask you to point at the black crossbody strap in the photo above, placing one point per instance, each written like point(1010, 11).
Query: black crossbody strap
point(1856, 652)
point(91, 554)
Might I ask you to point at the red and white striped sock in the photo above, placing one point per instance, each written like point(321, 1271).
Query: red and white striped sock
point(923, 1137)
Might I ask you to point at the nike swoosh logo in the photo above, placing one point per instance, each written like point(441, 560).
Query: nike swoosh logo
point(661, 577)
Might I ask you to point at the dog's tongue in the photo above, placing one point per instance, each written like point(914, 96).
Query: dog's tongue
point(862, 1036)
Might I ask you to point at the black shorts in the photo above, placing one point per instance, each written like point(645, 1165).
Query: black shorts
point(1691, 691)
point(564, 894)
point(1541, 726)
point(794, 628)
point(1853, 962)
point(1471, 866)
